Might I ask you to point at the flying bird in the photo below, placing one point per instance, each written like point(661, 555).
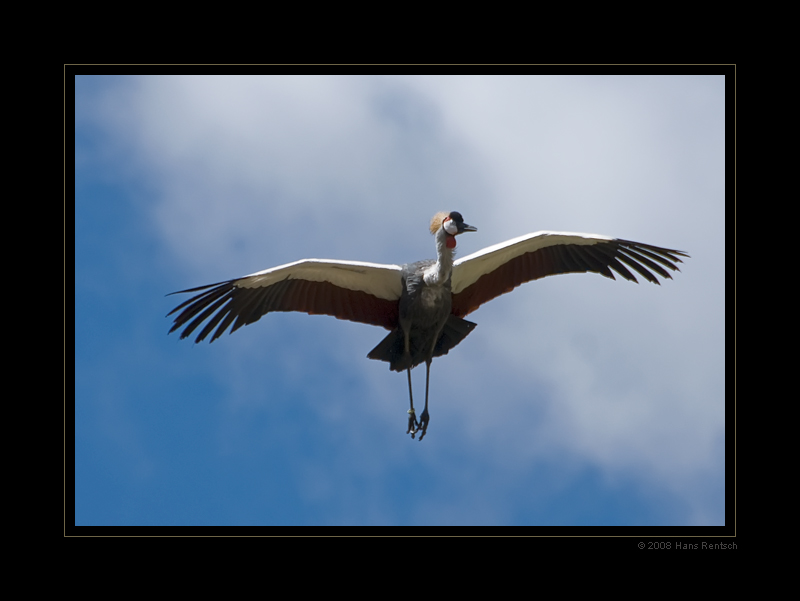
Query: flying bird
point(422, 304)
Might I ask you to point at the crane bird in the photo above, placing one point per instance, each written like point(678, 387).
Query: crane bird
point(423, 303)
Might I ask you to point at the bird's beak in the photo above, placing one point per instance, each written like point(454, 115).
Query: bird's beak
point(468, 228)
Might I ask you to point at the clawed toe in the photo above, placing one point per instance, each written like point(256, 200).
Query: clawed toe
point(423, 424)
point(412, 423)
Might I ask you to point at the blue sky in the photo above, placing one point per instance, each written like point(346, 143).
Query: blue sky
point(576, 401)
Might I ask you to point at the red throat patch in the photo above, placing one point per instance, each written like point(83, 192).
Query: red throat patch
point(451, 241)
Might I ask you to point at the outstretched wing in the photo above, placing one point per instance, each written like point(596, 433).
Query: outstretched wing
point(498, 269)
point(363, 292)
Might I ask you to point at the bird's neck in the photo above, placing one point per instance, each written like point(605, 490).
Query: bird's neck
point(438, 274)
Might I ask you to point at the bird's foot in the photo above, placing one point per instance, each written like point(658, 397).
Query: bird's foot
point(412, 423)
point(423, 424)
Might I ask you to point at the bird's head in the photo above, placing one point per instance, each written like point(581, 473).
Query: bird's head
point(453, 225)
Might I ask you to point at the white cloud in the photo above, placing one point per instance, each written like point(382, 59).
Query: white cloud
point(256, 172)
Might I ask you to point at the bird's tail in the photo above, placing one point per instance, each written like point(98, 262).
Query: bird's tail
point(392, 348)
point(454, 331)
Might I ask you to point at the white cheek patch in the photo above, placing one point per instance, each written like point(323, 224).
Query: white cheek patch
point(450, 227)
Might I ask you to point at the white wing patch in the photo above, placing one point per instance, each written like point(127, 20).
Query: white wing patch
point(466, 271)
point(383, 281)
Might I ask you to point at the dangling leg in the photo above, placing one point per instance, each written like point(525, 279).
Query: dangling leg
point(412, 418)
point(425, 418)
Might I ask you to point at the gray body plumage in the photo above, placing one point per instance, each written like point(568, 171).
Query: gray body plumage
point(426, 320)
